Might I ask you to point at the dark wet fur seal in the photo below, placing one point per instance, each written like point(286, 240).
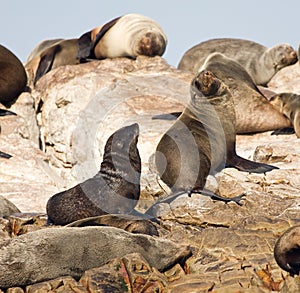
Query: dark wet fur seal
point(260, 62)
point(287, 250)
point(202, 140)
point(13, 76)
point(289, 105)
point(115, 189)
point(129, 223)
point(63, 52)
point(140, 36)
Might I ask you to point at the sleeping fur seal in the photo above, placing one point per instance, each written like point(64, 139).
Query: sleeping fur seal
point(50, 253)
point(289, 105)
point(63, 52)
point(259, 61)
point(287, 250)
point(13, 76)
point(130, 35)
point(41, 47)
point(114, 189)
point(202, 140)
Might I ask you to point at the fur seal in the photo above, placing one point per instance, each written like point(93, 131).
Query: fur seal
point(115, 189)
point(63, 52)
point(130, 35)
point(13, 76)
point(41, 47)
point(50, 253)
point(202, 140)
point(260, 62)
point(253, 111)
point(289, 105)
point(287, 250)
point(129, 223)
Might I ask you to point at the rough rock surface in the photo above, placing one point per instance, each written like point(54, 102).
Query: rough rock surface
point(76, 108)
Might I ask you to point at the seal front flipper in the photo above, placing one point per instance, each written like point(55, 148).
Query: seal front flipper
point(249, 166)
point(5, 155)
point(167, 116)
point(46, 62)
point(86, 45)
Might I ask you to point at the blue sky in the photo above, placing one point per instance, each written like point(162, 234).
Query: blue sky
point(185, 22)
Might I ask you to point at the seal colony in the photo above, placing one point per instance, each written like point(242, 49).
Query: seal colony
point(140, 35)
point(259, 61)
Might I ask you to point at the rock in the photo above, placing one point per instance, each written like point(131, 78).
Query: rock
point(6, 207)
point(59, 285)
point(44, 254)
point(83, 105)
point(14, 290)
point(27, 179)
point(130, 273)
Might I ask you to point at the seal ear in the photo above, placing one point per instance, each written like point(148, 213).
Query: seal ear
point(46, 62)
point(85, 45)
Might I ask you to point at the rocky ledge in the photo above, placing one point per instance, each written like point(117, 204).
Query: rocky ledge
point(57, 141)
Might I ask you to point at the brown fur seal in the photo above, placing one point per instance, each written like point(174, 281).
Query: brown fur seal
point(115, 189)
point(202, 140)
point(129, 223)
point(259, 61)
point(41, 47)
point(13, 76)
point(254, 112)
point(287, 250)
point(289, 105)
point(130, 35)
point(50, 253)
point(60, 53)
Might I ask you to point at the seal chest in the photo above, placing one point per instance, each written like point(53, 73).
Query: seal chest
point(114, 189)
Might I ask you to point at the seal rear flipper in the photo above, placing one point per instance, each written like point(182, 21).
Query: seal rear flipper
point(4, 112)
point(46, 62)
point(249, 166)
point(85, 45)
point(167, 116)
point(5, 155)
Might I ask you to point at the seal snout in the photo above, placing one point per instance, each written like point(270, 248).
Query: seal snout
point(207, 83)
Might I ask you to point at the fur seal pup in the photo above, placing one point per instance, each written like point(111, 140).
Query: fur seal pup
point(115, 189)
point(202, 140)
point(287, 250)
point(50, 253)
point(13, 76)
point(130, 35)
point(61, 53)
point(129, 223)
point(260, 62)
point(289, 105)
